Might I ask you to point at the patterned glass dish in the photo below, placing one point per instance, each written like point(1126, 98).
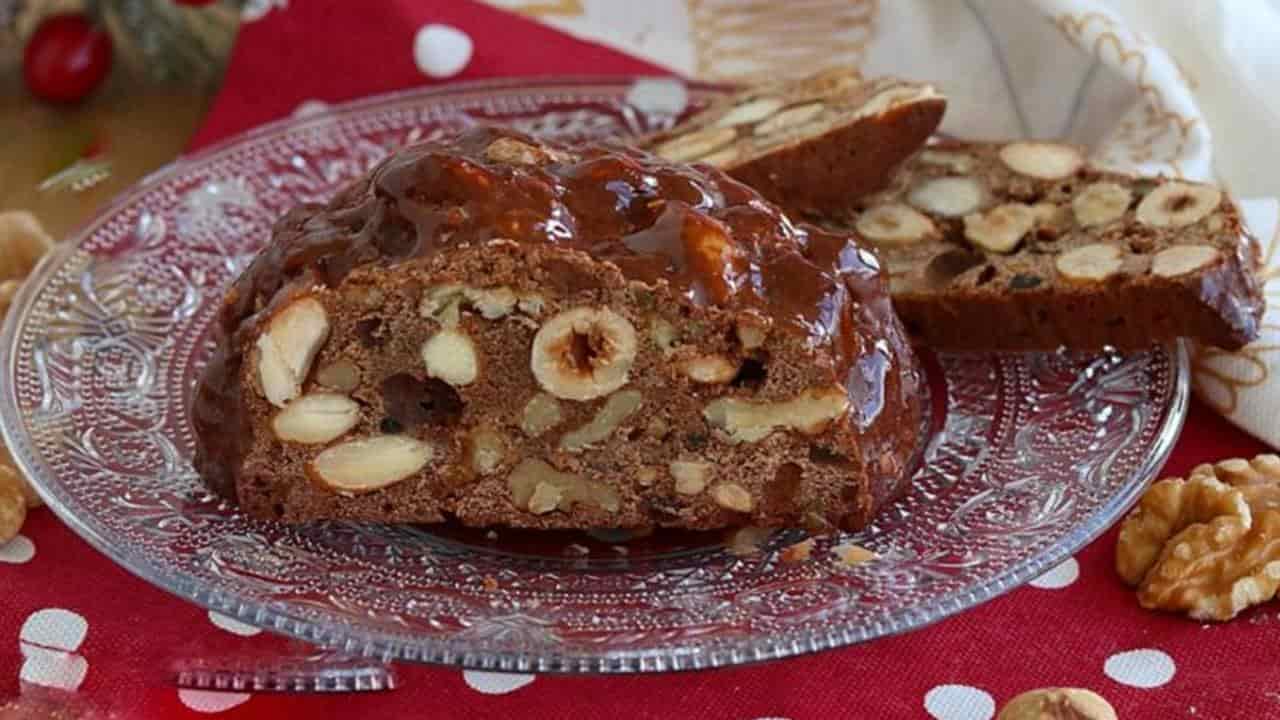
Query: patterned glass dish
point(1028, 457)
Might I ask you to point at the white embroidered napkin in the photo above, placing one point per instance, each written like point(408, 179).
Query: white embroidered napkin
point(1178, 87)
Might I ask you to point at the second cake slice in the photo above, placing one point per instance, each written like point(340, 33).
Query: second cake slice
point(1024, 246)
point(811, 144)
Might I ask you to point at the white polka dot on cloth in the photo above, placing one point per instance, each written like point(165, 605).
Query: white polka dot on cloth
point(441, 51)
point(17, 551)
point(232, 625)
point(48, 641)
point(208, 701)
point(52, 668)
point(491, 683)
point(1058, 577)
point(959, 702)
point(54, 628)
point(1143, 668)
point(310, 108)
point(666, 96)
point(254, 10)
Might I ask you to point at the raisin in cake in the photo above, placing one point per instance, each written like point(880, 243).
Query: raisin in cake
point(509, 332)
point(1024, 246)
point(810, 145)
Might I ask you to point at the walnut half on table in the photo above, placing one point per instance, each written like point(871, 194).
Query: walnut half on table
point(1209, 545)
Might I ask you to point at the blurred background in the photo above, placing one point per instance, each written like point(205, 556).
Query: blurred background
point(95, 94)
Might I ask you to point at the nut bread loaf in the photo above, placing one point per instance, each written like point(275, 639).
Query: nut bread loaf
point(1025, 246)
point(504, 331)
point(812, 144)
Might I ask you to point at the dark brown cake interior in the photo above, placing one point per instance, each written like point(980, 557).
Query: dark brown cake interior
point(599, 227)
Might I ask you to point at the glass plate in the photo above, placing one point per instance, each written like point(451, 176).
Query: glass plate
point(1028, 457)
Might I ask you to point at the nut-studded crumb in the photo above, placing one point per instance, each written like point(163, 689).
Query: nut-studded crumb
point(752, 329)
point(895, 223)
point(486, 450)
point(1182, 259)
point(342, 376)
point(541, 413)
point(1025, 246)
point(949, 196)
point(747, 541)
point(617, 409)
point(1090, 263)
point(369, 464)
point(957, 162)
point(288, 347)
point(1178, 204)
point(709, 369)
point(732, 496)
point(473, 372)
point(690, 476)
point(316, 418)
point(1001, 228)
point(555, 490)
point(750, 421)
point(1100, 203)
point(1041, 160)
point(451, 356)
point(583, 353)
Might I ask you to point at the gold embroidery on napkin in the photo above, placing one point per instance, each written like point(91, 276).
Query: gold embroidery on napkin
point(1157, 126)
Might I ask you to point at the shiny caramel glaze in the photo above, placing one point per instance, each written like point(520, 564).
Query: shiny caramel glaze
point(713, 239)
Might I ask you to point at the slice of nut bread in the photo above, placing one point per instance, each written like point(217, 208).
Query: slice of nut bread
point(1025, 246)
point(508, 332)
point(812, 144)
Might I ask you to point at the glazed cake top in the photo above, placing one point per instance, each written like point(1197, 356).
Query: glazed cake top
point(713, 239)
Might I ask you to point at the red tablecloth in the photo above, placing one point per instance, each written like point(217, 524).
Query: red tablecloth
point(1077, 627)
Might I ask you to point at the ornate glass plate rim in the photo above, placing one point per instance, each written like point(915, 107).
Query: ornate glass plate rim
point(515, 638)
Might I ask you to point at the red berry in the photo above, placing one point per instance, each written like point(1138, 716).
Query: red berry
point(66, 58)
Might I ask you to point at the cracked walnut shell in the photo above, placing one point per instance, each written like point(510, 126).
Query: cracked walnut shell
point(1209, 545)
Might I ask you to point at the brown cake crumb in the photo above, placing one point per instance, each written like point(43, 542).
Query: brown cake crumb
point(510, 332)
point(1025, 246)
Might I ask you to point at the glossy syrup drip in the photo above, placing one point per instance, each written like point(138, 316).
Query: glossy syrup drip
point(615, 203)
